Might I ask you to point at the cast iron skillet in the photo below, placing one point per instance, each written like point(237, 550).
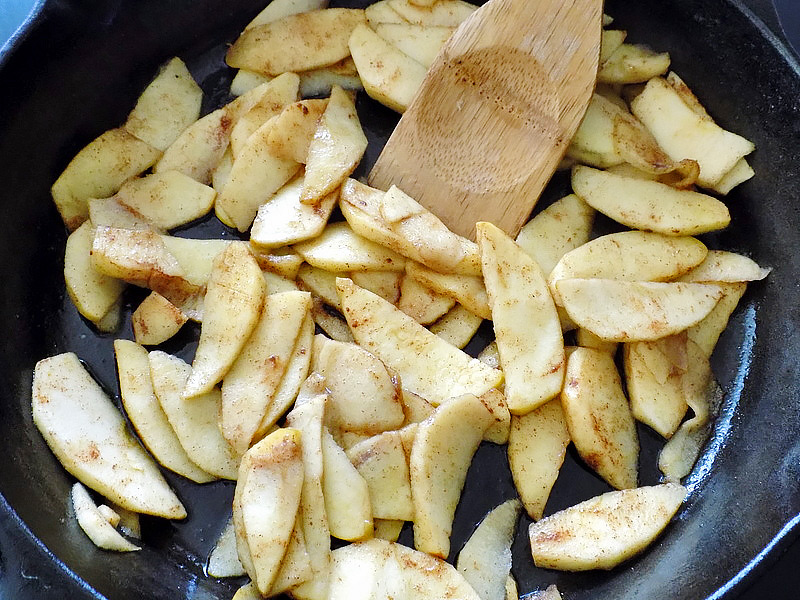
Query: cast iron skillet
point(78, 72)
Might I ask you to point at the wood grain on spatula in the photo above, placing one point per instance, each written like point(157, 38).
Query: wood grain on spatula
point(496, 112)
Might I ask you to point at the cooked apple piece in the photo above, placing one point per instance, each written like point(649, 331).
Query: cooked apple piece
point(232, 306)
point(296, 42)
point(249, 387)
point(98, 171)
point(381, 12)
point(94, 523)
point(442, 452)
point(381, 569)
point(282, 261)
point(388, 529)
point(320, 82)
point(485, 560)
point(256, 174)
point(467, 290)
point(321, 283)
point(416, 409)
point(167, 199)
point(93, 292)
point(629, 311)
point(559, 228)
point(295, 568)
point(219, 178)
point(166, 107)
point(739, 173)
point(649, 205)
point(654, 373)
point(266, 502)
point(335, 150)
point(490, 356)
point(384, 283)
point(610, 42)
point(88, 435)
point(427, 364)
point(706, 333)
point(537, 445)
point(593, 142)
point(599, 418)
point(633, 64)
point(339, 249)
point(110, 212)
point(307, 417)
point(194, 419)
point(282, 8)
point(196, 256)
point(457, 327)
point(397, 221)
point(199, 148)
point(526, 325)
point(389, 76)
point(630, 256)
point(147, 416)
point(334, 326)
point(156, 320)
point(364, 396)
point(422, 43)
point(224, 559)
point(346, 494)
point(729, 267)
point(382, 463)
point(498, 431)
point(444, 13)
point(296, 372)
point(295, 127)
point(284, 219)
point(421, 303)
point(128, 522)
point(684, 133)
point(602, 532)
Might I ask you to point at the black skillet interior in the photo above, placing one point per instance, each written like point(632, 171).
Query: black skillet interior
point(79, 72)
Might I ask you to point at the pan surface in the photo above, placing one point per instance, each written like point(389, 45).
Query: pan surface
point(79, 72)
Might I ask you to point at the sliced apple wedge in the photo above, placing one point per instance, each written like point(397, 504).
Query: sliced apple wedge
point(599, 418)
point(94, 523)
point(232, 306)
point(266, 501)
point(146, 414)
point(224, 559)
point(602, 532)
point(427, 364)
point(626, 311)
point(421, 303)
point(457, 327)
point(467, 290)
point(339, 249)
point(526, 325)
point(346, 494)
point(294, 128)
point(195, 419)
point(384, 283)
point(422, 43)
point(88, 435)
point(156, 320)
point(728, 267)
point(250, 385)
point(706, 333)
point(442, 451)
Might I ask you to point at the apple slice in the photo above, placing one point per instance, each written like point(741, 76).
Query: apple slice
point(427, 364)
point(444, 13)
point(721, 266)
point(467, 290)
point(421, 303)
point(602, 532)
point(457, 327)
point(88, 435)
point(224, 559)
point(94, 523)
point(232, 306)
point(442, 451)
point(294, 128)
point(339, 249)
point(156, 320)
point(346, 494)
point(422, 43)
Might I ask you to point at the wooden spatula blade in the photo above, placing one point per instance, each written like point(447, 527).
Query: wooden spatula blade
point(496, 112)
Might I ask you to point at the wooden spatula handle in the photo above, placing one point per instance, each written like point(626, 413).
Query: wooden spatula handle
point(495, 114)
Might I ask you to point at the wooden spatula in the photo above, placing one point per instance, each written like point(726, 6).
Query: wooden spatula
point(496, 112)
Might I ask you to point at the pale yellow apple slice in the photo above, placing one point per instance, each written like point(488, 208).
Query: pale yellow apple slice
point(266, 502)
point(457, 327)
point(706, 333)
point(321, 283)
point(166, 107)
point(294, 128)
point(631, 63)
point(156, 320)
point(224, 559)
point(147, 416)
point(382, 463)
point(93, 292)
point(422, 43)
point(335, 150)
point(441, 454)
point(602, 532)
point(295, 568)
point(283, 8)
point(317, 38)
point(250, 385)
point(626, 311)
point(384, 283)
point(559, 228)
point(98, 171)
point(195, 419)
point(346, 494)
point(320, 82)
point(196, 257)
point(526, 325)
point(388, 529)
point(397, 221)
point(729, 267)
point(599, 418)
point(537, 445)
point(284, 219)
point(467, 290)
point(364, 395)
point(110, 212)
point(421, 303)
point(649, 205)
point(444, 13)
point(94, 524)
point(88, 435)
point(339, 249)
point(485, 560)
point(381, 12)
point(427, 364)
point(331, 324)
point(232, 306)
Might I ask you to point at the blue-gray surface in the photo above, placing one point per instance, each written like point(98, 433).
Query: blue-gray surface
point(12, 14)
